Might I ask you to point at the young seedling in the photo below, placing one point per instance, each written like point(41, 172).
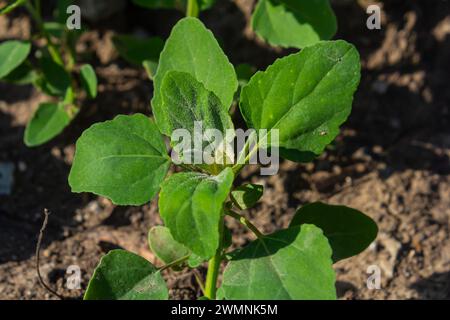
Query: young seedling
point(52, 71)
point(303, 99)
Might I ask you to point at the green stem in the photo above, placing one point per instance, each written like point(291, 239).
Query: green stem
point(199, 280)
point(36, 14)
point(37, 4)
point(70, 58)
point(174, 263)
point(247, 153)
point(214, 266)
point(192, 9)
point(243, 220)
point(239, 166)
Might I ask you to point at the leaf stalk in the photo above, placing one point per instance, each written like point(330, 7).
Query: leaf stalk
point(243, 220)
point(214, 266)
point(192, 9)
point(36, 14)
point(174, 263)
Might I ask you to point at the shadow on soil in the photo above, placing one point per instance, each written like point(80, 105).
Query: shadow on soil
point(435, 287)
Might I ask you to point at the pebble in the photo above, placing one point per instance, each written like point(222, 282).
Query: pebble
point(22, 166)
point(6, 177)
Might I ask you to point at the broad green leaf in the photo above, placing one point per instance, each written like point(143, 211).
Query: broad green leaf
point(122, 275)
point(89, 80)
point(349, 231)
point(186, 104)
point(190, 204)
point(195, 261)
point(192, 48)
point(56, 80)
point(136, 50)
point(48, 121)
point(294, 263)
point(123, 159)
point(306, 96)
point(247, 195)
point(23, 74)
point(11, 5)
point(164, 246)
point(12, 54)
point(294, 23)
point(185, 101)
point(172, 4)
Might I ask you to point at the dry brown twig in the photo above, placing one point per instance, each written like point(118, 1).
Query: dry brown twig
point(38, 251)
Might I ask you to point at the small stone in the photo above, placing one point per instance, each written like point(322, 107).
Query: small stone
point(56, 152)
point(22, 166)
point(337, 170)
point(6, 177)
point(377, 149)
point(380, 87)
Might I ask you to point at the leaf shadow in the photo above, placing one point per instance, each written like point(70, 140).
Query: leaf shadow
point(400, 106)
point(13, 94)
point(342, 287)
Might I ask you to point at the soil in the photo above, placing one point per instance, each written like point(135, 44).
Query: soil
point(390, 161)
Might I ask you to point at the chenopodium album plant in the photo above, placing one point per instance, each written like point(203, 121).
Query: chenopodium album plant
point(52, 72)
point(305, 96)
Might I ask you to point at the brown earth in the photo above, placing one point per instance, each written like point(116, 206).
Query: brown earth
point(391, 160)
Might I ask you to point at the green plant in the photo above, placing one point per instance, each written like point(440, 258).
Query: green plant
point(285, 23)
point(293, 24)
point(305, 97)
point(52, 70)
